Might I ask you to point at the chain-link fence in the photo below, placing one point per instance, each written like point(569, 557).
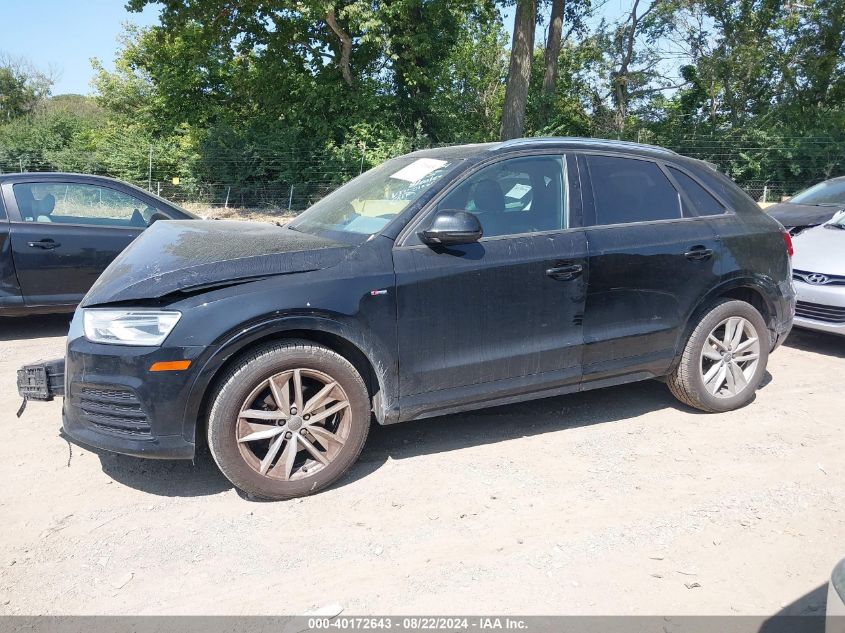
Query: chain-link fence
point(771, 172)
point(291, 182)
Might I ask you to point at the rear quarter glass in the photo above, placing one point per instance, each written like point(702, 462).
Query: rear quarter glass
point(703, 202)
point(728, 190)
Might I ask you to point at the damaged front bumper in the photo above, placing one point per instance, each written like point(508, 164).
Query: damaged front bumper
point(42, 381)
point(107, 407)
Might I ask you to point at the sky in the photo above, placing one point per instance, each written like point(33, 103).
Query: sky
point(63, 35)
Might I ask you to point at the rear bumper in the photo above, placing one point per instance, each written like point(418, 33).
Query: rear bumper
point(820, 307)
point(780, 325)
point(781, 331)
point(819, 326)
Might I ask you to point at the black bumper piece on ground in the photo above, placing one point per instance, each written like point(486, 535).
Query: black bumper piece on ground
point(42, 381)
point(112, 419)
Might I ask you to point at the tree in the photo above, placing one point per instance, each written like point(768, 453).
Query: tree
point(623, 77)
point(745, 57)
point(272, 95)
point(22, 87)
point(420, 36)
point(551, 54)
point(468, 105)
point(519, 73)
point(345, 44)
point(573, 15)
point(636, 66)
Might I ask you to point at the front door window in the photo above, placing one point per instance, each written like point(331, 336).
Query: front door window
point(77, 203)
point(515, 196)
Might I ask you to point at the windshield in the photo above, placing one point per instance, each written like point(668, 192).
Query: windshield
point(828, 192)
point(366, 204)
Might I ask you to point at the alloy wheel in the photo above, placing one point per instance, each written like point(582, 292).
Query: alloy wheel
point(293, 424)
point(729, 357)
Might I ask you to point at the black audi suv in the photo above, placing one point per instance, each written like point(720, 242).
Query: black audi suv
point(442, 281)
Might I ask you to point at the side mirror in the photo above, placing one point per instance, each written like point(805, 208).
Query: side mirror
point(452, 227)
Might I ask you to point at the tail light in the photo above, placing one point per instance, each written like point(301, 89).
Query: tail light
point(787, 241)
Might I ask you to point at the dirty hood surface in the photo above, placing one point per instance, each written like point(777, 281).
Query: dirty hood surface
point(174, 256)
point(801, 214)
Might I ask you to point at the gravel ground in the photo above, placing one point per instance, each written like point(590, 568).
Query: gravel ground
point(617, 501)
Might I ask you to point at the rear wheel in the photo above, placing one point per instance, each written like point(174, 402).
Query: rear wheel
point(724, 359)
point(288, 420)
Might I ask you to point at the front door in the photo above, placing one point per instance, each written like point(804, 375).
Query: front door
point(65, 236)
point(504, 308)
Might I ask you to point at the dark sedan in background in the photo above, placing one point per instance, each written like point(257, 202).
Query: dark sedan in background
point(811, 207)
point(58, 232)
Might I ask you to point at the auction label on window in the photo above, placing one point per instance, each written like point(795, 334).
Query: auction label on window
point(419, 169)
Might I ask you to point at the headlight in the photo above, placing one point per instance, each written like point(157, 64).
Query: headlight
point(129, 327)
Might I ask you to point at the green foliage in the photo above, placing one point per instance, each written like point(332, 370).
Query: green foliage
point(22, 87)
point(56, 137)
point(275, 101)
point(572, 111)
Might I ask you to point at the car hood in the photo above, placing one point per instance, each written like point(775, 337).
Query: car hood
point(185, 255)
point(791, 215)
point(819, 250)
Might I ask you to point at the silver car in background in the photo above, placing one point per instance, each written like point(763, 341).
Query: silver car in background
point(819, 276)
point(836, 600)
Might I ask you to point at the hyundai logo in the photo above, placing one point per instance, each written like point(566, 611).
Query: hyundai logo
point(816, 278)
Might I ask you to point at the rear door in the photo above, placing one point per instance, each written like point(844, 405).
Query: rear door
point(64, 234)
point(507, 308)
point(651, 261)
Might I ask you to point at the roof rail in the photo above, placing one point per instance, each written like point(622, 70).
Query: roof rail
point(587, 141)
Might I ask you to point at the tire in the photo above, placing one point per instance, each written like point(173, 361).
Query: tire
point(264, 383)
point(697, 363)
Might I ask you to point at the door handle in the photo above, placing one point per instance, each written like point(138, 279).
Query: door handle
point(47, 244)
point(565, 273)
point(699, 253)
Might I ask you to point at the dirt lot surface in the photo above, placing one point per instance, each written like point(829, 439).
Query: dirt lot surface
point(616, 501)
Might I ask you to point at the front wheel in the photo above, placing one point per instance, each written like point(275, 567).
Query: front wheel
point(724, 360)
point(288, 420)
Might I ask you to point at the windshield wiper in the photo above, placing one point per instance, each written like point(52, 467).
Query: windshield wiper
point(835, 226)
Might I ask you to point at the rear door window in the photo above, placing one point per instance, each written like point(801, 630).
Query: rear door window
point(80, 203)
point(704, 203)
point(629, 190)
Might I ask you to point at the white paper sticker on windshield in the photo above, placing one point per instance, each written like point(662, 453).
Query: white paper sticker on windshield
point(418, 169)
point(518, 191)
